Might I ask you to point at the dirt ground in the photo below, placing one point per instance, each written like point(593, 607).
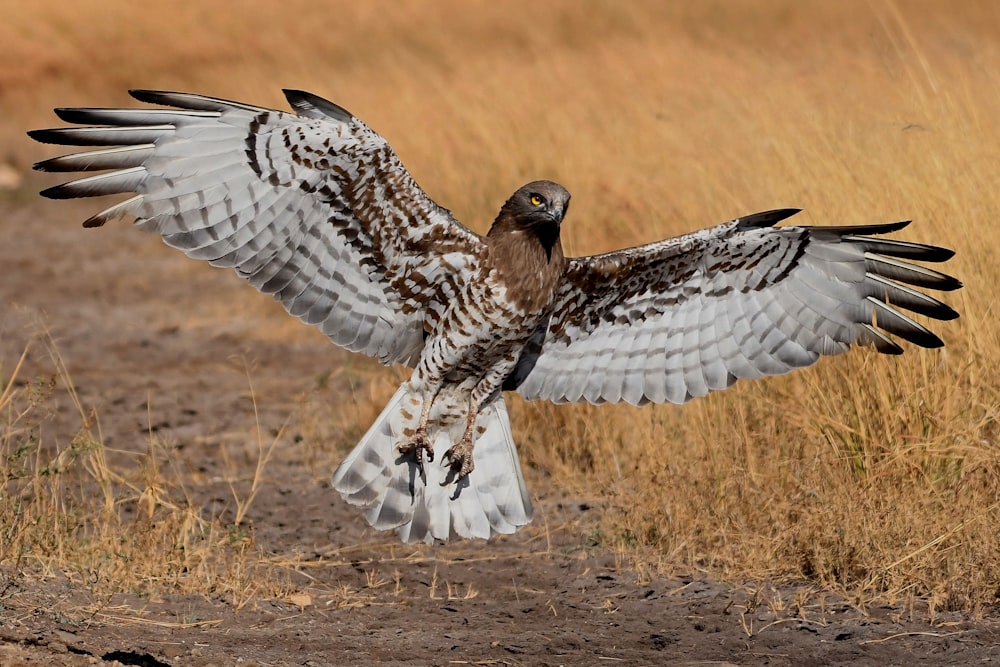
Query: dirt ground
point(154, 340)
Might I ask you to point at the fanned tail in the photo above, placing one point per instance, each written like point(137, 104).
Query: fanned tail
point(492, 499)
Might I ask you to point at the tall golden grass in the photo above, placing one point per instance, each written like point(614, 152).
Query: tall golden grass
point(876, 477)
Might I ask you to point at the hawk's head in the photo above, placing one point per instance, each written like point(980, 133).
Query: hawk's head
point(537, 208)
point(539, 203)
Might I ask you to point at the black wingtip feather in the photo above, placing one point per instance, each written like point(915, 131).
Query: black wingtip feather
point(945, 314)
point(314, 106)
point(766, 218)
point(58, 192)
point(72, 115)
point(949, 285)
point(922, 337)
point(150, 96)
point(938, 254)
point(47, 136)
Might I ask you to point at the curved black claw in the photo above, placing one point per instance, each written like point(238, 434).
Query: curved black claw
point(459, 457)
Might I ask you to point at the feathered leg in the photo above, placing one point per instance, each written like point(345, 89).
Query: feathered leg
point(440, 355)
point(419, 443)
point(459, 455)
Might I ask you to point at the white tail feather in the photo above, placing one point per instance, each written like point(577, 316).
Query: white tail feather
point(492, 499)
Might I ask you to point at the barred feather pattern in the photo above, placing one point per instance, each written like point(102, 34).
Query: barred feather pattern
point(674, 320)
point(315, 209)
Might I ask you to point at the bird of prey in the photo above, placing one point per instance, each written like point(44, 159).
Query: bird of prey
point(315, 209)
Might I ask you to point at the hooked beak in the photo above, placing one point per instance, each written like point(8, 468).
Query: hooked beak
point(557, 211)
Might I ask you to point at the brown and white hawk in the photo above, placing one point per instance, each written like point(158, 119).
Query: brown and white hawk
point(315, 209)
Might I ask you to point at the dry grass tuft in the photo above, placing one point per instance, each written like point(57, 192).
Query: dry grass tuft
point(874, 477)
point(129, 527)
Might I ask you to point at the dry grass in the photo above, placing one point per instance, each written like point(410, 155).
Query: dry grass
point(108, 528)
point(872, 476)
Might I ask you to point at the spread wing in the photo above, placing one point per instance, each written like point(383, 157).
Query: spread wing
point(313, 208)
point(673, 320)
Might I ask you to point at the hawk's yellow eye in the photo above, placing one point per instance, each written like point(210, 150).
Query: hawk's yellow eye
point(536, 200)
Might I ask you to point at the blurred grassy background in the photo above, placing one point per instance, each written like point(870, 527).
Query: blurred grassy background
point(871, 476)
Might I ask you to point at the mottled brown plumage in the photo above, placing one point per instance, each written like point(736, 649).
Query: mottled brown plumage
point(316, 209)
point(512, 296)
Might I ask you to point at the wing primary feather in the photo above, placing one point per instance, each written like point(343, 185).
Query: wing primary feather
point(911, 299)
point(919, 276)
point(120, 157)
point(765, 218)
point(127, 117)
point(101, 136)
point(904, 249)
point(113, 183)
point(837, 232)
point(120, 210)
point(192, 101)
point(314, 106)
point(888, 318)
